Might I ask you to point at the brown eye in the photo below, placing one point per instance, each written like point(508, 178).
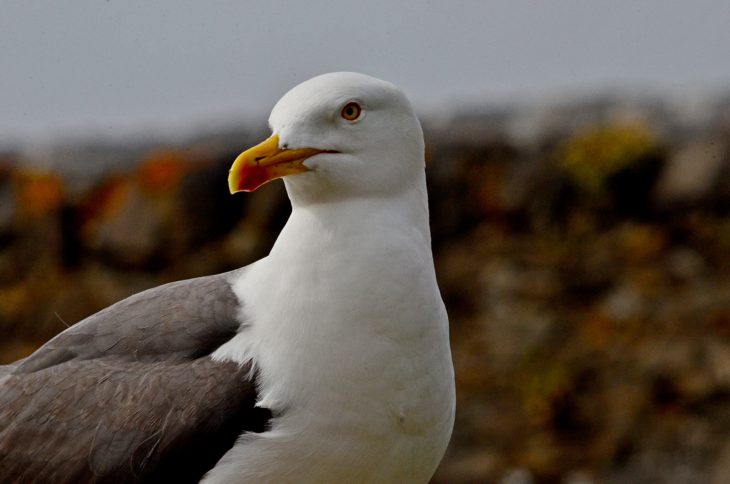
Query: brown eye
point(351, 111)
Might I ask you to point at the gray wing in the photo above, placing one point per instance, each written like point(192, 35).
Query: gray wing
point(130, 394)
point(5, 370)
point(175, 322)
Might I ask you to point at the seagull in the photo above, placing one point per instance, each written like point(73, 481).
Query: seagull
point(326, 361)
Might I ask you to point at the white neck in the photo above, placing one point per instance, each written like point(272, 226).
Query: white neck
point(336, 220)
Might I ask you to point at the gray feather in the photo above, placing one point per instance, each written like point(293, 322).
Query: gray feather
point(173, 322)
point(130, 394)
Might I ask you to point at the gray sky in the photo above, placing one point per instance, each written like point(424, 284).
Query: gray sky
point(126, 66)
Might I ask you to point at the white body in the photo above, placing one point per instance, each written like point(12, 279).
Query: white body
point(345, 325)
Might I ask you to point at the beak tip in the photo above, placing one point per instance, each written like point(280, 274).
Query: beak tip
point(232, 188)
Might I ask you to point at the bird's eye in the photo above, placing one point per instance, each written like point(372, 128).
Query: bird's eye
point(351, 111)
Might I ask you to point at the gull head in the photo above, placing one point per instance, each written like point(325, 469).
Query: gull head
point(337, 136)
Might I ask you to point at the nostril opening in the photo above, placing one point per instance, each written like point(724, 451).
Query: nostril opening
point(259, 158)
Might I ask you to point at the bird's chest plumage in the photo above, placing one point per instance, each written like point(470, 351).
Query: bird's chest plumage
point(355, 363)
point(342, 330)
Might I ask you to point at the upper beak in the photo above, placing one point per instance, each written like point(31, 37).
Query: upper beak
point(265, 162)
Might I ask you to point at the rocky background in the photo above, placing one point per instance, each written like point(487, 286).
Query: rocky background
point(583, 251)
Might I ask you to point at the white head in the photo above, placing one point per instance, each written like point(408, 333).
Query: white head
point(340, 135)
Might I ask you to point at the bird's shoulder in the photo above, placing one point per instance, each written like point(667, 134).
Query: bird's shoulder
point(177, 321)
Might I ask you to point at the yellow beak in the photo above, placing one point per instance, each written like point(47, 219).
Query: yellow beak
point(265, 162)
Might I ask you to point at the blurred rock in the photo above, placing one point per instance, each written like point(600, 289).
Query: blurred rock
point(131, 229)
point(692, 172)
point(685, 264)
point(172, 204)
point(517, 476)
point(578, 477)
point(721, 468)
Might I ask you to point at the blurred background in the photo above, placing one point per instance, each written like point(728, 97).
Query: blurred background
point(579, 168)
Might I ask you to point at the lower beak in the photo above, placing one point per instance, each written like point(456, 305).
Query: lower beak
point(265, 162)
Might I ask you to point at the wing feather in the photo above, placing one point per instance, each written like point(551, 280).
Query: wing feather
point(130, 394)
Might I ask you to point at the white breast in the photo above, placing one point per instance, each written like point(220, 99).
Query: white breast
point(349, 334)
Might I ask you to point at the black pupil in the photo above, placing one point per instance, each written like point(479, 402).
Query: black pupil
point(350, 111)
